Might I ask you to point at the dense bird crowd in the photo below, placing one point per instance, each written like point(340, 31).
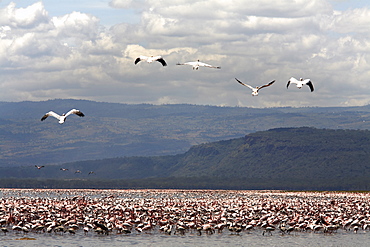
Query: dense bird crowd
point(181, 212)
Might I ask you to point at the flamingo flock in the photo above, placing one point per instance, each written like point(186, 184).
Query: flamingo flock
point(197, 64)
point(179, 212)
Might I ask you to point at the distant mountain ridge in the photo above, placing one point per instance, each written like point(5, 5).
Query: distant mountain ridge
point(293, 158)
point(121, 130)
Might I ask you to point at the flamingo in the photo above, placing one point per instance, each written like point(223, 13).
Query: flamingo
point(198, 64)
point(63, 117)
point(71, 230)
point(4, 230)
point(39, 167)
point(103, 227)
point(268, 229)
point(300, 83)
point(151, 59)
point(64, 169)
point(255, 89)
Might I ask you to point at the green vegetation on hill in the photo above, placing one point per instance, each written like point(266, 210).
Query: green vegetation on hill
point(302, 158)
point(116, 130)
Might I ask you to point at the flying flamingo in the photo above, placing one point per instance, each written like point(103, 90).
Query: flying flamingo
point(198, 64)
point(62, 117)
point(300, 83)
point(255, 89)
point(151, 59)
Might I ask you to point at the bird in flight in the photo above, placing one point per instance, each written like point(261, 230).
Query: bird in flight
point(62, 117)
point(39, 167)
point(255, 89)
point(300, 83)
point(64, 169)
point(151, 59)
point(198, 64)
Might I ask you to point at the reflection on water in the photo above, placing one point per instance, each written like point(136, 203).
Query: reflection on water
point(183, 218)
point(254, 238)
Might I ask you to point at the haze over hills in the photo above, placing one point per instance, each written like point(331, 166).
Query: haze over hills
point(283, 158)
point(121, 130)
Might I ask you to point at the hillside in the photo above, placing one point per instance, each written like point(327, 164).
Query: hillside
point(282, 158)
point(116, 130)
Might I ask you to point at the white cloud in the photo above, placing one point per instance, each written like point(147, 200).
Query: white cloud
point(23, 17)
point(344, 23)
point(121, 3)
point(74, 56)
point(76, 25)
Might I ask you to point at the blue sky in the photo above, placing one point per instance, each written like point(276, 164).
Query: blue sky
point(348, 4)
point(86, 50)
point(108, 16)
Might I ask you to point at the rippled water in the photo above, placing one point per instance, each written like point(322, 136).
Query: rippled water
point(156, 238)
point(255, 238)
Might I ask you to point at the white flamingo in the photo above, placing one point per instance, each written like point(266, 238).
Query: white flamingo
point(255, 89)
point(62, 117)
point(151, 59)
point(198, 64)
point(300, 83)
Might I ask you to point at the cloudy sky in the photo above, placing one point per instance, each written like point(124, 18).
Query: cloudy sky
point(86, 50)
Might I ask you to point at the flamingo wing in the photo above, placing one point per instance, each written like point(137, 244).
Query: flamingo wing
point(50, 113)
point(266, 85)
point(75, 111)
point(161, 60)
point(292, 80)
point(137, 60)
point(141, 58)
point(309, 83)
point(188, 63)
point(208, 65)
point(244, 84)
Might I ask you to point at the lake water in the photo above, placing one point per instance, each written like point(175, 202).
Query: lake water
point(244, 239)
point(187, 206)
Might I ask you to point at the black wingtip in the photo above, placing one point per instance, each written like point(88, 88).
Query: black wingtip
point(161, 60)
point(80, 114)
point(311, 86)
